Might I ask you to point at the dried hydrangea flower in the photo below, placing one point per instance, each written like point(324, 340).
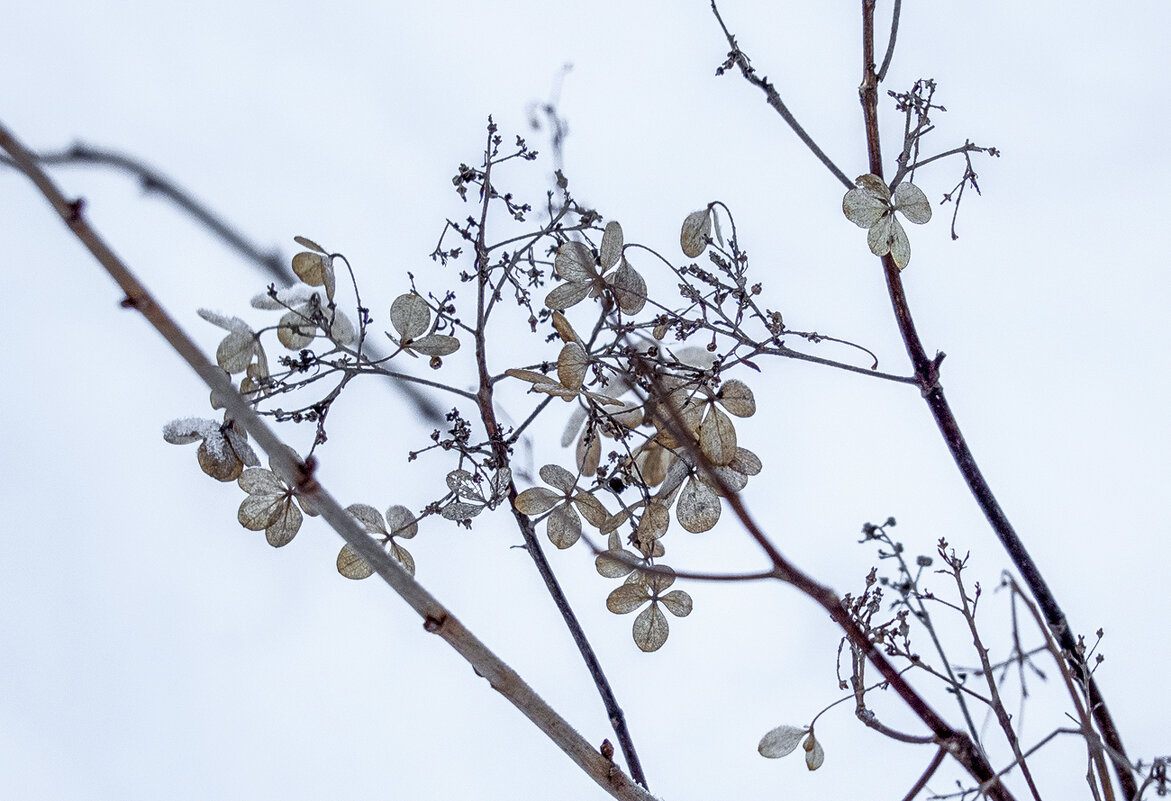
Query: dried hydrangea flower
point(871, 205)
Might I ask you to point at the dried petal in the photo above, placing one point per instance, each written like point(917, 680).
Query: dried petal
point(677, 602)
point(567, 295)
point(571, 365)
point(699, 507)
point(410, 315)
point(626, 598)
point(564, 526)
point(864, 207)
point(591, 509)
point(781, 741)
point(629, 288)
point(564, 329)
point(435, 345)
point(235, 352)
point(900, 246)
point(401, 523)
point(369, 517)
point(457, 510)
point(611, 249)
point(352, 566)
point(296, 330)
point(651, 629)
point(910, 200)
point(575, 263)
point(814, 754)
point(315, 269)
point(717, 437)
point(693, 237)
point(557, 476)
point(403, 557)
point(589, 453)
point(737, 398)
point(536, 500)
point(305, 242)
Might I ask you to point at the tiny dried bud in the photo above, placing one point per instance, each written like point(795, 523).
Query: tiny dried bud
point(607, 749)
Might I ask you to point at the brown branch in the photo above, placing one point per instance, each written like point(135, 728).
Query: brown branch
point(500, 451)
point(958, 744)
point(271, 262)
point(928, 372)
point(932, 766)
point(436, 617)
point(738, 58)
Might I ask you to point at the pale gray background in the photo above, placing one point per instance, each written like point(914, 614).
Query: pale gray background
point(149, 647)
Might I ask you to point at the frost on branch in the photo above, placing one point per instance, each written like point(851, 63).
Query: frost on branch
point(871, 205)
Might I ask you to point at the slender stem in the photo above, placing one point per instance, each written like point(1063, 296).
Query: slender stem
point(928, 372)
point(1002, 716)
point(437, 619)
point(500, 450)
point(741, 60)
point(932, 766)
point(272, 262)
point(890, 46)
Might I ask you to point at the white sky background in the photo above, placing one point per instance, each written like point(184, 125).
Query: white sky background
point(150, 647)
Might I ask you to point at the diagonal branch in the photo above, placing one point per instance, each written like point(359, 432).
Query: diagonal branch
point(437, 619)
point(271, 262)
point(737, 57)
point(927, 370)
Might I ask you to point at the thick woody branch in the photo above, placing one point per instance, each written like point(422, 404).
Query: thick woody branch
point(437, 619)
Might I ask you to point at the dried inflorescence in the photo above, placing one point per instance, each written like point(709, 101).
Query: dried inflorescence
point(656, 384)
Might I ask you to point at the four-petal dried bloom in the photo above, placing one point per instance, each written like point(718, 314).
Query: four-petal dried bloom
point(563, 523)
point(399, 522)
point(270, 505)
point(575, 263)
point(871, 205)
point(643, 586)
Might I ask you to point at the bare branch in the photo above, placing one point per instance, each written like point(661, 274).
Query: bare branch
point(737, 58)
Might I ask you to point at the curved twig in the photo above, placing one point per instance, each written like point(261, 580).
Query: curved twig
point(272, 262)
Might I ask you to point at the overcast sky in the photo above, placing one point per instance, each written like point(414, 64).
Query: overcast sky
point(150, 647)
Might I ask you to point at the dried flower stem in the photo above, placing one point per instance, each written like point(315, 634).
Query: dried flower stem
point(437, 619)
point(927, 371)
point(485, 298)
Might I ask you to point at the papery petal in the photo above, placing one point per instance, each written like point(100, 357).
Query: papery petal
point(910, 200)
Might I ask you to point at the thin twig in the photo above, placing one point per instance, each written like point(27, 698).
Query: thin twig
point(932, 766)
point(890, 46)
point(737, 57)
point(500, 449)
point(437, 619)
point(272, 262)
